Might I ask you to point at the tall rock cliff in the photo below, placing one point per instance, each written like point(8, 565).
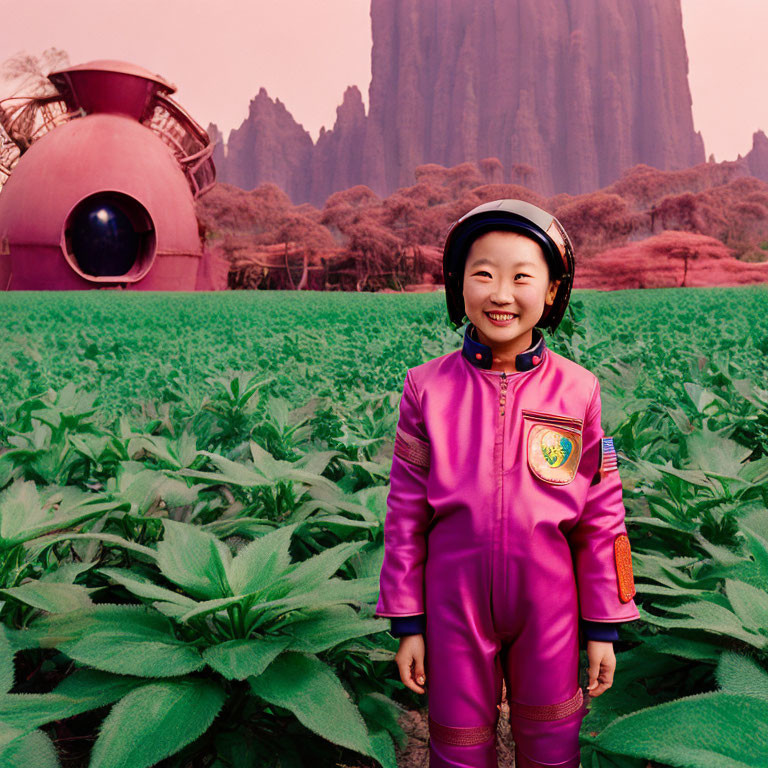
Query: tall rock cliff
point(269, 146)
point(337, 159)
point(577, 89)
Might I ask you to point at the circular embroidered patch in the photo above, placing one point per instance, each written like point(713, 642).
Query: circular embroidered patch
point(555, 447)
point(553, 453)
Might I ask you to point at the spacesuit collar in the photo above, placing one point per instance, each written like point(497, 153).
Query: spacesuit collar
point(480, 356)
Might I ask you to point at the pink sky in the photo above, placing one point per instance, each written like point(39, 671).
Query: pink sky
point(226, 50)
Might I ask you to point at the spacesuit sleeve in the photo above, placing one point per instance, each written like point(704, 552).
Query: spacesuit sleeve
point(401, 583)
point(599, 542)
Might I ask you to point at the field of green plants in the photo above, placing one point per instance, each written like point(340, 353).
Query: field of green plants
point(192, 497)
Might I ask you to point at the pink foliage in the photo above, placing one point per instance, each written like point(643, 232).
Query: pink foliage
point(669, 259)
point(595, 219)
point(709, 214)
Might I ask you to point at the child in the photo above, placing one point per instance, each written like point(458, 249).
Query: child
point(505, 523)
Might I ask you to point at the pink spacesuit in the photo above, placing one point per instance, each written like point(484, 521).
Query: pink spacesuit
point(505, 525)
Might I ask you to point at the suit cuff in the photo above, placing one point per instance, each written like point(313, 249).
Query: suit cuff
point(414, 625)
point(408, 625)
point(599, 630)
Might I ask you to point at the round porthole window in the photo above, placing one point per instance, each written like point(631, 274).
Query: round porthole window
point(109, 234)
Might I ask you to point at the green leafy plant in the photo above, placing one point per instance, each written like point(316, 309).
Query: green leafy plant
point(124, 518)
point(214, 631)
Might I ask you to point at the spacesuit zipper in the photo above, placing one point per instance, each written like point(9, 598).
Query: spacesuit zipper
point(501, 532)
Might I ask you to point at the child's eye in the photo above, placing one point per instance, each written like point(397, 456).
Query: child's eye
point(519, 274)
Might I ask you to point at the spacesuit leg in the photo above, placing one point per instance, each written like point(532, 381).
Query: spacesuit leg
point(464, 685)
point(546, 702)
point(551, 738)
point(464, 673)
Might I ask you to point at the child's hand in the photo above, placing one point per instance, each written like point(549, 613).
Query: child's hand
point(602, 665)
point(410, 661)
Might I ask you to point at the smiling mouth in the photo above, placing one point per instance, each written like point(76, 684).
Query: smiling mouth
point(501, 316)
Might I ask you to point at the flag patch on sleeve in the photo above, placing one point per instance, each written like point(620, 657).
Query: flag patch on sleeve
point(608, 459)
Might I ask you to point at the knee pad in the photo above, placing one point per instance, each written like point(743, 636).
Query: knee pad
point(461, 737)
point(548, 735)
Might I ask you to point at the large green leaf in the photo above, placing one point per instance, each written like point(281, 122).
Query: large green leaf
point(693, 476)
point(316, 570)
point(685, 647)
point(238, 659)
point(195, 560)
point(142, 587)
point(715, 454)
point(124, 639)
point(27, 511)
point(22, 639)
point(66, 573)
point(664, 570)
point(740, 674)
point(51, 596)
point(649, 589)
point(155, 721)
point(343, 527)
point(383, 712)
point(382, 748)
point(704, 615)
point(6, 662)
point(106, 538)
point(262, 561)
point(142, 487)
point(315, 695)
point(178, 452)
point(708, 730)
point(758, 548)
point(266, 471)
point(212, 606)
point(33, 750)
point(9, 733)
point(700, 397)
point(333, 592)
point(721, 556)
point(233, 472)
point(749, 603)
point(325, 629)
point(83, 690)
point(755, 472)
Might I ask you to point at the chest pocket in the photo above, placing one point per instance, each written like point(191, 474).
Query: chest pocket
point(552, 446)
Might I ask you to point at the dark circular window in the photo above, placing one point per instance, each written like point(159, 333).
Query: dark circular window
point(109, 234)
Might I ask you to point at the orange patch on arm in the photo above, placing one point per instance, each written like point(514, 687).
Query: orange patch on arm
point(624, 573)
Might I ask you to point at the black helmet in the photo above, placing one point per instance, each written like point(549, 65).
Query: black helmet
point(515, 216)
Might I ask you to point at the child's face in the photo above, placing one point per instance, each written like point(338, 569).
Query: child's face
point(506, 272)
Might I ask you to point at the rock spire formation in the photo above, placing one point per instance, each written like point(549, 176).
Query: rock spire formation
point(269, 146)
point(579, 90)
point(757, 158)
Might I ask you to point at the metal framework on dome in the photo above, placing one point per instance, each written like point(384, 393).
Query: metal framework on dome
point(23, 120)
point(26, 119)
